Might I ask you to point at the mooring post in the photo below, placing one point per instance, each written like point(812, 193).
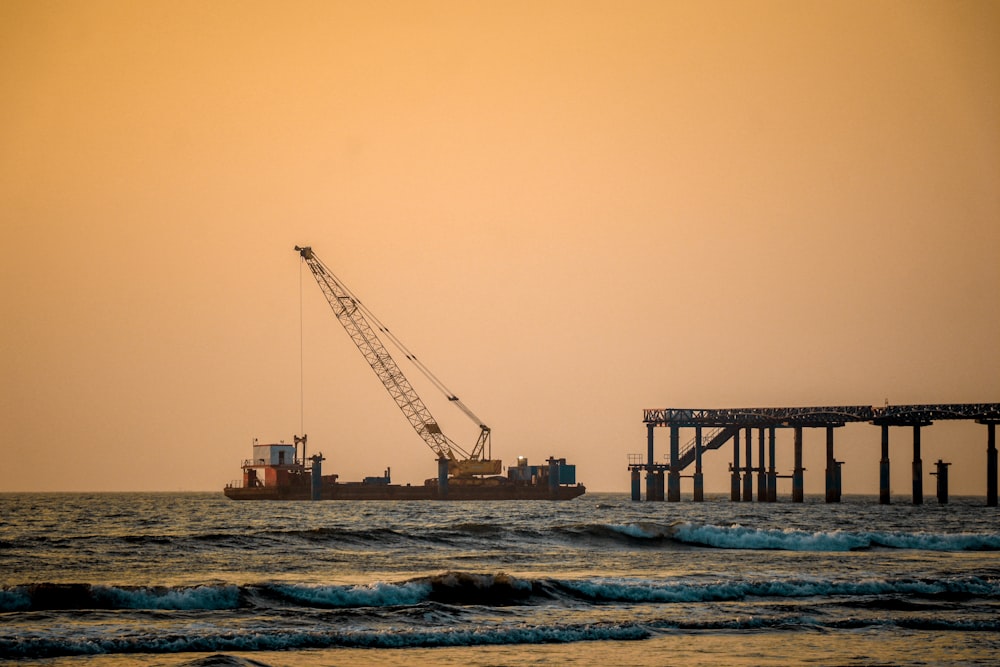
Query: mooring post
point(942, 481)
point(918, 468)
point(674, 480)
point(734, 477)
point(772, 473)
point(699, 480)
point(748, 471)
point(798, 492)
point(883, 468)
point(831, 465)
point(650, 480)
point(991, 464)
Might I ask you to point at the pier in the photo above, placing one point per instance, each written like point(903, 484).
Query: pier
point(714, 428)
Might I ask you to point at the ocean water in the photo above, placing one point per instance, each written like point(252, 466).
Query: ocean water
point(196, 579)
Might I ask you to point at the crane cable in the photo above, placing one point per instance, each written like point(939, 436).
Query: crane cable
point(302, 365)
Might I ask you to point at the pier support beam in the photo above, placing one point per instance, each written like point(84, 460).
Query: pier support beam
point(832, 469)
point(748, 471)
point(839, 470)
point(918, 468)
point(734, 477)
point(699, 480)
point(636, 485)
point(761, 473)
point(674, 478)
point(883, 468)
point(650, 480)
point(772, 473)
point(798, 490)
point(991, 464)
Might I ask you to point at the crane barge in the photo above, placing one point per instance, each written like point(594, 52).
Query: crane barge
point(280, 472)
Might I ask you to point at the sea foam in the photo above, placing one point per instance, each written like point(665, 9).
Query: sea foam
point(742, 537)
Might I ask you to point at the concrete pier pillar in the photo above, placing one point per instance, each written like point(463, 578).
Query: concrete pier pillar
point(991, 465)
point(636, 485)
point(918, 468)
point(761, 472)
point(748, 470)
point(734, 477)
point(839, 470)
point(699, 480)
point(831, 468)
point(650, 480)
point(658, 486)
point(883, 468)
point(798, 490)
point(674, 479)
point(942, 481)
point(772, 472)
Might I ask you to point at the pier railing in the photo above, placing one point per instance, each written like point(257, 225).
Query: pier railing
point(821, 416)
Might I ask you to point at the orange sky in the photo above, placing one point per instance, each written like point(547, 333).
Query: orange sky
point(570, 211)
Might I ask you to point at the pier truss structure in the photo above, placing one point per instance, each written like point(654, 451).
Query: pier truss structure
point(715, 427)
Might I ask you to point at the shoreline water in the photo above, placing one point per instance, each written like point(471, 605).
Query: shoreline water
point(195, 579)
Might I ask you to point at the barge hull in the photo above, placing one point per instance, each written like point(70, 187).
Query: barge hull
point(400, 492)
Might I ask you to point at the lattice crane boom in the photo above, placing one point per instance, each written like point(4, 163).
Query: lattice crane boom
point(354, 317)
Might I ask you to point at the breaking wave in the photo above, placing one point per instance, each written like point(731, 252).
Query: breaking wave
point(252, 640)
point(461, 588)
point(740, 537)
point(445, 610)
point(743, 537)
point(678, 534)
point(49, 596)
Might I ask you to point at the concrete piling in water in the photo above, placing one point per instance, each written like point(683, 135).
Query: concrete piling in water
point(832, 469)
point(674, 476)
point(734, 477)
point(699, 480)
point(772, 472)
point(918, 468)
point(636, 485)
point(748, 469)
point(991, 464)
point(798, 486)
point(761, 472)
point(883, 468)
point(650, 478)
